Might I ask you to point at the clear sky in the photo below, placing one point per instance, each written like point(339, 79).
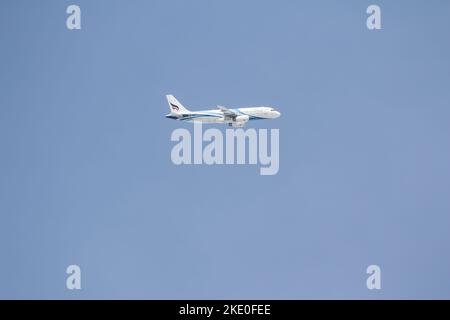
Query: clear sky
point(85, 170)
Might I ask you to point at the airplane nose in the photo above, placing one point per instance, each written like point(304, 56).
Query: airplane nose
point(277, 114)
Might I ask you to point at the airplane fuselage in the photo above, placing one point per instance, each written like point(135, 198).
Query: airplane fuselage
point(216, 116)
point(234, 117)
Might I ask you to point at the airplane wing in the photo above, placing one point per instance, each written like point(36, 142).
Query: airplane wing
point(227, 112)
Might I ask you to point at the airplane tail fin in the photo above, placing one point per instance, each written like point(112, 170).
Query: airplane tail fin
point(175, 106)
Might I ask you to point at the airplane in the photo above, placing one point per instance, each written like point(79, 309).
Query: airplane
point(236, 118)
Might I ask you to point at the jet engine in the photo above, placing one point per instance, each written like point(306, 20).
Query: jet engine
point(242, 118)
point(239, 121)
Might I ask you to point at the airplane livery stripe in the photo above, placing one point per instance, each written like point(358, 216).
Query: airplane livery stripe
point(194, 116)
point(250, 116)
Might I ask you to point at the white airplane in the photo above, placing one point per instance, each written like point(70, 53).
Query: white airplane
point(235, 118)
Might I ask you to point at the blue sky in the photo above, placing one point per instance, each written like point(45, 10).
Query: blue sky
point(86, 175)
